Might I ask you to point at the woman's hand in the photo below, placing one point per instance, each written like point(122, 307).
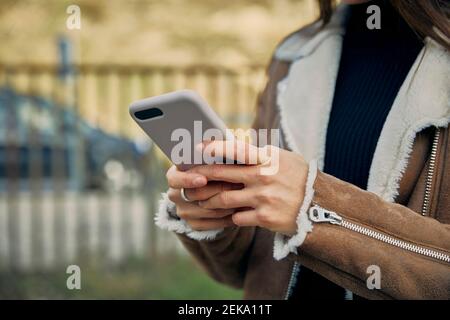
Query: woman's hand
point(198, 188)
point(272, 196)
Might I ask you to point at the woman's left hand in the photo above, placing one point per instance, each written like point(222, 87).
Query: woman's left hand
point(274, 186)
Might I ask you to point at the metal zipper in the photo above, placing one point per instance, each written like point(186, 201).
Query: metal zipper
point(333, 218)
point(292, 280)
point(430, 173)
point(318, 214)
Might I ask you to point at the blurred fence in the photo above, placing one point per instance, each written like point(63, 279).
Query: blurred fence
point(77, 177)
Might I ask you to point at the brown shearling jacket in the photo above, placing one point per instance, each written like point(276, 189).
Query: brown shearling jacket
point(407, 238)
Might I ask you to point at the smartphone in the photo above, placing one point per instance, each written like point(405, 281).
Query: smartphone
point(177, 122)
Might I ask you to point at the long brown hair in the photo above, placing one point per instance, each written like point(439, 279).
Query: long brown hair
point(429, 18)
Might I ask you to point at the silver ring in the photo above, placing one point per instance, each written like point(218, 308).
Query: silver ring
point(183, 196)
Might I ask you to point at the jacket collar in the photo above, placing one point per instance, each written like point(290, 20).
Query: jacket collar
point(303, 42)
point(305, 97)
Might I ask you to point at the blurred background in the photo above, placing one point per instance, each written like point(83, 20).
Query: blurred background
point(79, 181)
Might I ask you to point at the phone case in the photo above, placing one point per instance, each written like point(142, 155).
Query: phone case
point(172, 115)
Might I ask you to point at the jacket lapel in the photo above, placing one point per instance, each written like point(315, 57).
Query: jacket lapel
point(422, 101)
point(305, 98)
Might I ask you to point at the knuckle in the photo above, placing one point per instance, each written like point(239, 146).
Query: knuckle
point(236, 219)
point(224, 198)
point(264, 196)
point(263, 178)
point(216, 172)
point(264, 216)
point(181, 213)
point(172, 194)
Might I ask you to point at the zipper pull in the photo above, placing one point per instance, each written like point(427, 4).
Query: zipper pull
point(319, 214)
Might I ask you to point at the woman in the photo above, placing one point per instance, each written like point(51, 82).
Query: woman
point(360, 205)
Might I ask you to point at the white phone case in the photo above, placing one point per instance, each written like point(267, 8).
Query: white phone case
point(160, 116)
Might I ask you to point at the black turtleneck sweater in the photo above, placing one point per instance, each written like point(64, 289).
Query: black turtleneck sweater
point(373, 66)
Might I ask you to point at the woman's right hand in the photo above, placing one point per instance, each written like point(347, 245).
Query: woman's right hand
point(196, 188)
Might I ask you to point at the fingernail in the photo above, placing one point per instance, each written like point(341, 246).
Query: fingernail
point(199, 181)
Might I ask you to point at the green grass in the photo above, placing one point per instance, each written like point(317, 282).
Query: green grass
point(166, 278)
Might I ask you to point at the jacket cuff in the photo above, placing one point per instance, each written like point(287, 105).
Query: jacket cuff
point(167, 219)
point(284, 245)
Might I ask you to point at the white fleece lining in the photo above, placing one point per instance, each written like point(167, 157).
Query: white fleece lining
point(284, 245)
point(304, 104)
point(166, 222)
point(423, 101)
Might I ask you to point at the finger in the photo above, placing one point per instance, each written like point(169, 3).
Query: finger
point(230, 199)
point(174, 195)
point(245, 218)
point(178, 179)
point(211, 189)
point(235, 150)
point(210, 224)
point(225, 172)
point(188, 210)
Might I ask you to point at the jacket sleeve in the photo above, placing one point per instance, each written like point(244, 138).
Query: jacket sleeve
point(371, 237)
point(225, 257)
